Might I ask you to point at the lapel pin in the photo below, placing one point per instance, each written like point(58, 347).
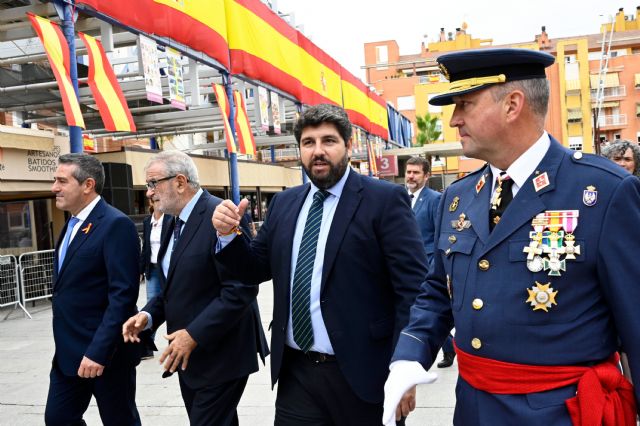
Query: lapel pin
point(541, 181)
point(590, 196)
point(454, 204)
point(480, 183)
point(87, 228)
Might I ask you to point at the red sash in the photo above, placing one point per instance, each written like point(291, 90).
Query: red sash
point(605, 397)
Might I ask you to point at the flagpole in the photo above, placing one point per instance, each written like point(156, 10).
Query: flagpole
point(305, 178)
point(75, 132)
point(233, 157)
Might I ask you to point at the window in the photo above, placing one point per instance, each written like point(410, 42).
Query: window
point(15, 225)
point(575, 143)
point(617, 136)
point(406, 103)
point(382, 57)
point(572, 71)
point(570, 59)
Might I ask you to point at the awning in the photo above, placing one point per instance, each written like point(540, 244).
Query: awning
point(19, 138)
point(573, 85)
point(574, 114)
point(610, 80)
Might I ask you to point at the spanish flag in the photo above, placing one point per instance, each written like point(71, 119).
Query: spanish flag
point(243, 126)
point(57, 50)
point(199, 24)
point(106, 90)
point(88, 144)
point(371, 151)
point(223, 102)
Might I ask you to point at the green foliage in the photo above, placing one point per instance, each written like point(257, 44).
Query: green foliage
point(427, 129)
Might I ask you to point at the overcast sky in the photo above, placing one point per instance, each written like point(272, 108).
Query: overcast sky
point(341, 27)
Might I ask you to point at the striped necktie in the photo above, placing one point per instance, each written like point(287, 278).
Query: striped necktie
point(301, 290)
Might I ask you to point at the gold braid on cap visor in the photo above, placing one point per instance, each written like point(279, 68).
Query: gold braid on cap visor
point(472, 83)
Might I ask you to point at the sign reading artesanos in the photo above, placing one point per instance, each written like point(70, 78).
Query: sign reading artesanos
point(30, 155)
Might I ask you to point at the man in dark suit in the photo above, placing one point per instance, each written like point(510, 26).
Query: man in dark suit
point(346, 260)
point(213, 324)
point(155, 228)
point(533, 263)
point(95, 288)
point(424, 202)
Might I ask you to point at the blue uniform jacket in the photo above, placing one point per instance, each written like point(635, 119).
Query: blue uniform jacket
point(426, 210)
point(597, 296)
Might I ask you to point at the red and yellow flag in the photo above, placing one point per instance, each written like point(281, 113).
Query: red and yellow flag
point(88, 144)
point(106, 90)
point(243, 126)
point(223, 102)
point(59, 58)
point(199, 24)
point(371, 151)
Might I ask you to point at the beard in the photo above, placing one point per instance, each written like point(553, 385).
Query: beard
point(168, 204)
point(335, 173)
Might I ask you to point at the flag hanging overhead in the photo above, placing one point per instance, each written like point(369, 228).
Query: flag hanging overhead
point(371, 153)
point(106, 90)
point(223, 102)
point(243, 127)
point(59, 58)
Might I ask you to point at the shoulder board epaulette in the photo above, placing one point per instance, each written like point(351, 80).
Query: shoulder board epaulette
point(602, 163)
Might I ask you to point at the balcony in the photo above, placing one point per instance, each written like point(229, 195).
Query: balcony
point(610, 93)
point(281, 154)
point(616, 121)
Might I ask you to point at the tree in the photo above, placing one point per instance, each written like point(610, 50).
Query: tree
point(427, 129)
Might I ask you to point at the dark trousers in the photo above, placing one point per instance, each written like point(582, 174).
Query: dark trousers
point(447, 346)
point(213, 405)
point(314, 393)
point(115, 393)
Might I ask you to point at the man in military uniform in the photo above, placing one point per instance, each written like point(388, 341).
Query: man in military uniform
point(533, 265)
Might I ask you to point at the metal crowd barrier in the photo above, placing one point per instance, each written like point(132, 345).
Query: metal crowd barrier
point(36, 275)
point(10, 284)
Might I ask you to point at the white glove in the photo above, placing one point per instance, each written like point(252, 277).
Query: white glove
point(402, 376)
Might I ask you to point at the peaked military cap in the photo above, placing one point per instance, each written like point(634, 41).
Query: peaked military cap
point(472, 70)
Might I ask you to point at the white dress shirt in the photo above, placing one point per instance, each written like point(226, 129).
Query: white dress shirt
point(521, 169)
point(154, 237)
point(82, 216)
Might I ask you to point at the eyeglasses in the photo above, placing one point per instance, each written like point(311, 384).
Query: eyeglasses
point(153, 183)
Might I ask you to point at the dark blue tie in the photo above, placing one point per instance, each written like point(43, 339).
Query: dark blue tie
point(65, 242)
point(301, 291)
point(177, 227)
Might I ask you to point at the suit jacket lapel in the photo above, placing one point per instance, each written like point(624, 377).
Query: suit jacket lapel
point(289, 230)
point(347, 206)
point(83, 233)
point(419, 202)
point(527, 202)
point(476, 207)
point(188, 232)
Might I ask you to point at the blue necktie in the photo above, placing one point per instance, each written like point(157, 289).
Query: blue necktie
point(177, 227)
point(65, 242)
point(301, 291)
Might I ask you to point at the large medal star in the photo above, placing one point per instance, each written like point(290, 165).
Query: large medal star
point(541, 296)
